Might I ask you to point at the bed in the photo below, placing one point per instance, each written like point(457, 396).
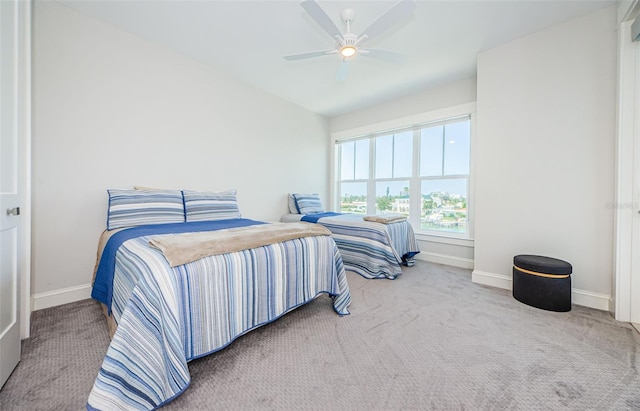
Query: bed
point(373, 249)
point(173, 302)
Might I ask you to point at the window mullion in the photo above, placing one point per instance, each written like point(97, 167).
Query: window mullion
point(355, 156)
point(337, 182)
point(393, 155)
point(371, 185)
point(415, 189)
point(443, 146)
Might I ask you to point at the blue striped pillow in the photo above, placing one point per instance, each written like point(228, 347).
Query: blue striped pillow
point(202, 205)
point(129, 208)
point(308, 203)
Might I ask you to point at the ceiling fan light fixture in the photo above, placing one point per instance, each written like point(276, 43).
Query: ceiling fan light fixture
point(348, 51)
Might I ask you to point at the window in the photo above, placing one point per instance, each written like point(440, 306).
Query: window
point(420, 171)
point(354, 171)
point(444, 176)
point(392, 171)
point(393, 155)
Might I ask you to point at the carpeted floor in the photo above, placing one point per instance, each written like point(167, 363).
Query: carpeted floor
point(430, 340)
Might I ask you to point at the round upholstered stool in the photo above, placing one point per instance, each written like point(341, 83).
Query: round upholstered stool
point(542, 282)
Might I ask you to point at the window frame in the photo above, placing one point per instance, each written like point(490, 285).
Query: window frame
point(415, 123)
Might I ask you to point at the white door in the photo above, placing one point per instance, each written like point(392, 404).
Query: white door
point(10, 178)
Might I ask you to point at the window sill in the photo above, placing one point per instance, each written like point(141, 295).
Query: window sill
point(445, 239)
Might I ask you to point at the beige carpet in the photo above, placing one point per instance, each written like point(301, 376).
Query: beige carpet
point(428, 340)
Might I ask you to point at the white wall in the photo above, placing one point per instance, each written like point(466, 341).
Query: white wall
point(435, 249)
point(446, 95)
point(545, 153)
point(112, 110)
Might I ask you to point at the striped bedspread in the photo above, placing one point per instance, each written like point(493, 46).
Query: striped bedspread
point(168, 316)
point(373, 250)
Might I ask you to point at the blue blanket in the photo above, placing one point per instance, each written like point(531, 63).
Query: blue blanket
point(102, 285)
point(313, 218)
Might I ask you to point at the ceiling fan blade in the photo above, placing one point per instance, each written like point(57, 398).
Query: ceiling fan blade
point(320, 17)
point(402, 10)
point(308, 55)
point(384, 55)
point(343, 70)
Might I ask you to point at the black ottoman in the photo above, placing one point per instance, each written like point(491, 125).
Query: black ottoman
point(542, 282)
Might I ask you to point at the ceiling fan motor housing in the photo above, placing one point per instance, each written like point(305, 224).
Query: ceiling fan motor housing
point(349, 39)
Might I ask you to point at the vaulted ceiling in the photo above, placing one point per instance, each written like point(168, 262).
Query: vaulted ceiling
point(439, 42)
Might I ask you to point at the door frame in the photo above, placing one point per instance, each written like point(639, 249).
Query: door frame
point(22, 34)
point(25, 10)
point(626, 296)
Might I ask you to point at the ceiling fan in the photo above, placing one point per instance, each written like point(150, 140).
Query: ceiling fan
point(348, 44)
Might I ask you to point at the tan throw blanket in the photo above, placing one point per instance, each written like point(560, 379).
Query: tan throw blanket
point(184, 248)
point(385, 218)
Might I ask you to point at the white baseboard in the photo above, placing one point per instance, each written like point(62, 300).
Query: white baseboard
point(445, 259)
point(82, 292)
point(579, 297)
point(590, 299)
point(58, 297)
point(491, 279)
